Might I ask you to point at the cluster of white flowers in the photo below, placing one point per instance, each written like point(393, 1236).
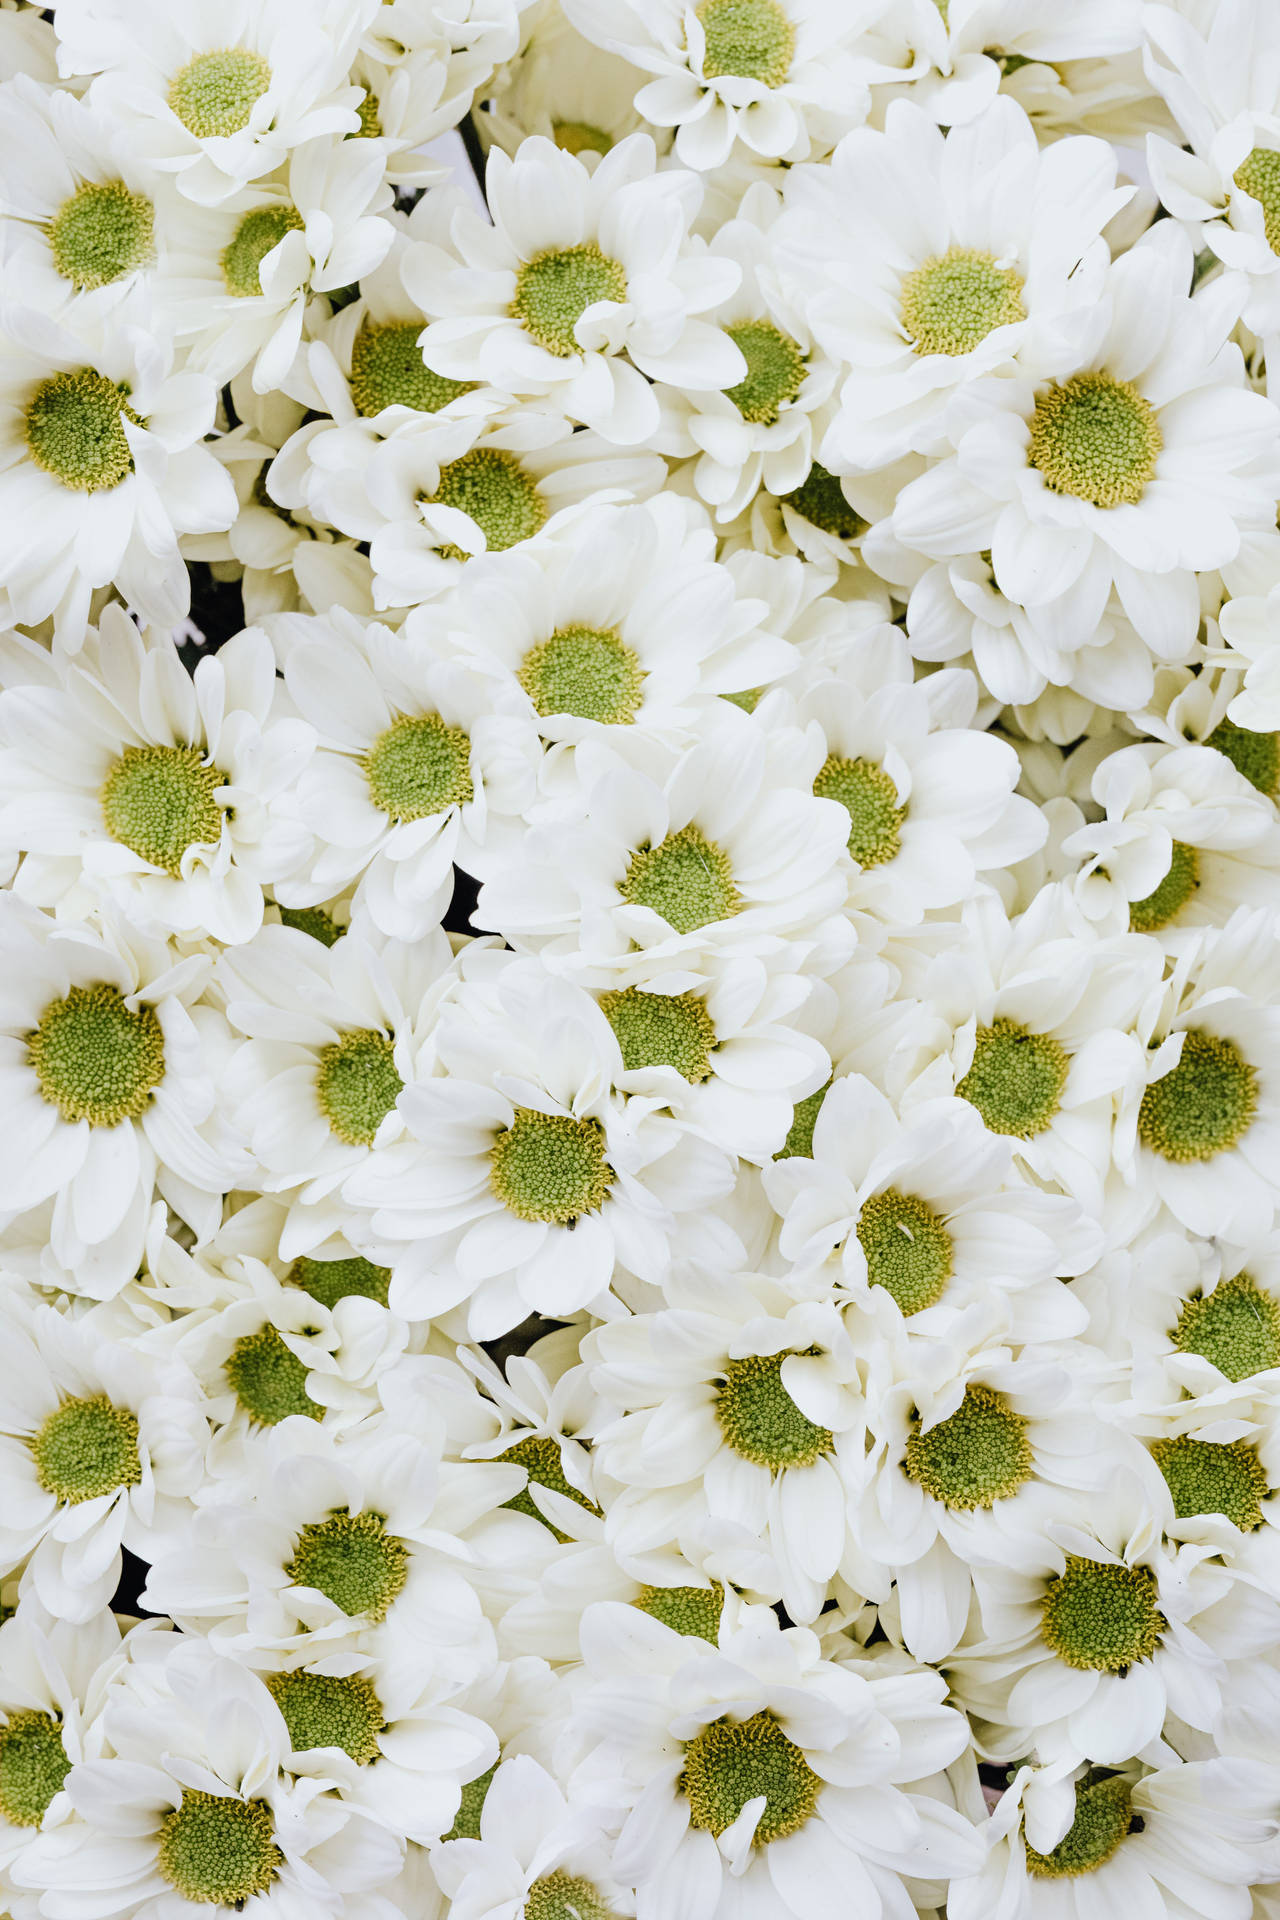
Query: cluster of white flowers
point(640, 1154)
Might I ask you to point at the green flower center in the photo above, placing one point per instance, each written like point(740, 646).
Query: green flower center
point(1259, 176)
point(75, 431)
point(418, 767)
point(1016, 1079)
point(314, 921)
point(353, 1561)
point(101, 233)
point(1205, 1477)
point(662, 1030)
point(357, 1085)
point(1255, 755)
point(820, 500)
point(586, 671)
point(95, 1059)
point(731, 1762)
point(1167, 900)
point(87, 1448)
point(329, 1281)
point(1204, 1106)
point(214, 94)
point(692, 1611)
point(268, 1379)
point(387, 370)
point(798, 1144)
point(578, 136)
point(555, 288)
point(547, 1166)
point(540, 1458)
point(1236, 1328)
point(760, 1420)
point(370, 122)
point(33, 1765)
point(158, 801)
point(562, 1896)
point(490, 484)
point(217, 1851)
point(747, 40)
point(952, 302)
point(978, 1456)
point(1100, 1618)
point(870, 799)
point(474, 1794)
point(908, 1249)
point(249, 245)
point(1104, 1815)
point(1096, 438)
point(326, 1710)
point(776, 369)
point(687, 881)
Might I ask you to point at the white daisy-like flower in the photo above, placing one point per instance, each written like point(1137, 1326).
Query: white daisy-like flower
point(761, 1776)
point(122, 775)
point(1143, 461)
point(930, 263)
point(101, 469)
point(567, 90)
point(1248, 626)
point(537, 1852)
point(579, 268)
point(777, 75)
point(107, 1065)
point(102, 1446)
point(191, 1812)
point(416, 88)
point(215, 98)
point(527, 1178)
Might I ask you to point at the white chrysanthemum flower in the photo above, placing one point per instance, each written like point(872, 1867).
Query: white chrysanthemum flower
point(1248, 625)
point(729, 851)
point(761, 1772)
point(1186, 1840)
point(108, 1069)
point(527, 1179)
point(778, 75)
point(124, 776)
point(567, 90)
point(416, 88)
point(101, 1445)
point(580, 269)
point(101, 468)
point(192, 1815)
point(926, 264)
point(1144, 461)
point(215, 98)
point(413, 771)
point(538, 1853)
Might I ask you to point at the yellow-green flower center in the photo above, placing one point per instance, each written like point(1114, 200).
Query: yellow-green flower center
point(474, 1793)
point(1157, 908)
point(692, 1611)
point(820, 499)
point(1204, 1106)
point(33, 1766)
point(1096, 438)
point(798, 1144)
point(555, 288)
point(731, 1762)
point(329, 1281)
point(550, 1167)
point(776, 368)
point(370, 120)
point(564, 1896)
point(353, 1561)
point(952, 302)
point(313, 921)
point(747, 40)
point(100, 233)
point(75, 431)
point(492, 487)
point(268, 1379)
point(979, 1455)
point(357, 1085)
point(687, 880)
point(243, 255)
point(907, 1247)
point(760, 1420)
point(329, 1710)
point(1016, 1079)
point(1236, 1328)
point(578, 136)
point(217, 1851)
point(662, 1030)
point(1255, 755)
point(418, 767)
point(1259, 176)
point(214, 94)
point(387, 370)
point(1099, 1617)
point(96, 1059)
point(539, 1455)
point(1206, 1476)
point(86, 1448)
point(589, 672)
point(158, 801)
point(870, 799)
point(1103, 1816)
